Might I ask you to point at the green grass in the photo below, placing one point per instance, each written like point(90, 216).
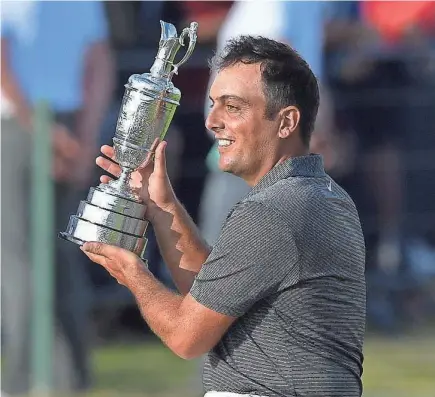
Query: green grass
point(399, 367)
point(142, 370)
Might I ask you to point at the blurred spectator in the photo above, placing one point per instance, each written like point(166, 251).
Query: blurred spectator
point(379, 56)
point(301, 25)
point(374, 49)
point(57, 52)
point(209, 14)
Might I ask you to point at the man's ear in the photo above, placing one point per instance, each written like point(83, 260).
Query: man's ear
point(290, 117)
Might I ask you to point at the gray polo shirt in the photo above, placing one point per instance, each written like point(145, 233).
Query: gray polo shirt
point(289, 264)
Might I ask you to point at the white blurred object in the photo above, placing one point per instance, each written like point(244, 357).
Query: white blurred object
point(7, 111)
point(243, 19)
point(263, 18)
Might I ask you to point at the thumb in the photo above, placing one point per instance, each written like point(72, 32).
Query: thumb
point(160, 160)
point(106, 250)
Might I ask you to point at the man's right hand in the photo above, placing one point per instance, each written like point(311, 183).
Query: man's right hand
point(180, 244)
point(150, 180)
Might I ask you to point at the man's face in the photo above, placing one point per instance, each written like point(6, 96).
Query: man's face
point(247, 140)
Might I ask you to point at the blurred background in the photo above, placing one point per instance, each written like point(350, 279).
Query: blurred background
point(63, 70)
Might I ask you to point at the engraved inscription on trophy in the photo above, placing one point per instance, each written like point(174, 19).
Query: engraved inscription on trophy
point(112, 213)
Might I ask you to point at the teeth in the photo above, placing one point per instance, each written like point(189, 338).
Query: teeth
point(224, 142)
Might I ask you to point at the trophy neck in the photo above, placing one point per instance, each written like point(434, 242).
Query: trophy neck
point(163, 64)
point(121, 187)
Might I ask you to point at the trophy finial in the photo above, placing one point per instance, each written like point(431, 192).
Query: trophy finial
point(169, 45)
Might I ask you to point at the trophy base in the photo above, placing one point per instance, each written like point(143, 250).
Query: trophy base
point(108, 219)
point(70, 238)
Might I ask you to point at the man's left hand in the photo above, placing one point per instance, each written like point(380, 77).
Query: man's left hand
point(123, 265)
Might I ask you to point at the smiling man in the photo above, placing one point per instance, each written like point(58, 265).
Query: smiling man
point(278, 304)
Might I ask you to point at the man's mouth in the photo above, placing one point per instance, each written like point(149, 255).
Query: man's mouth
point(224, 142)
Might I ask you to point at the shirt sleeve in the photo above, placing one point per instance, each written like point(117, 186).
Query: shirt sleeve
point(252, 258)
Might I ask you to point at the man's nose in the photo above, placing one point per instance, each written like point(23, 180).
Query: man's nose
point(213, 122)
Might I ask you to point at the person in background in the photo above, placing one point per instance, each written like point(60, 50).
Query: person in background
point(301, 25)
point(378, 52)
point(56, 52)
point(373, 48)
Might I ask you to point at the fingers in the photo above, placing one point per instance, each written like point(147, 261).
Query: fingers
point(150, 154)
point(155, 145)
point(107, 251)
point(108, 151)
point(108, 165)
point(157, 150)
point(101, 260)
point(160, 159)
point(105, 179)
point(95, 248)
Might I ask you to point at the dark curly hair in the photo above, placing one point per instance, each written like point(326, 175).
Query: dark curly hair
point(287, 78)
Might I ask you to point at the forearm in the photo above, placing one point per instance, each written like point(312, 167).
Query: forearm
point(186, 327)
point(180, 243)
point(159, 307)
point(98, 89)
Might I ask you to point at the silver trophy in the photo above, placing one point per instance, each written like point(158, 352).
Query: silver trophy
point(112, 213)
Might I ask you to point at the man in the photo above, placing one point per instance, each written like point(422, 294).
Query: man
point(279, 302)
point(57, 52)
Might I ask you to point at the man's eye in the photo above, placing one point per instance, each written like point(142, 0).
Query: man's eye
point(232, 108)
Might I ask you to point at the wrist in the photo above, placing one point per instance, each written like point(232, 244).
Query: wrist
point(156, 212)
point(137, 276)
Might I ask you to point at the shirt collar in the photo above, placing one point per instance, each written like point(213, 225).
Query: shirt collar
point(309, 166)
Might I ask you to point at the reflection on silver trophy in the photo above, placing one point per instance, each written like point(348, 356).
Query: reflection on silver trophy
point(112, 213)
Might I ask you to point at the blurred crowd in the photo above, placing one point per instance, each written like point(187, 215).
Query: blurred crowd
point(375, 62)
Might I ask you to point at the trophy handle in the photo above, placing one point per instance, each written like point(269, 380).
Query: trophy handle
point(191, 32)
